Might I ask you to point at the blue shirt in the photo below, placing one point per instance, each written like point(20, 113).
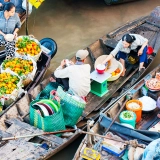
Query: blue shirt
point(20, 5)
point(8, 26)
point(152, 151)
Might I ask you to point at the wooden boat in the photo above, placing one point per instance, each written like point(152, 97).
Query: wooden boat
point(148, 120)
point(16, 118)
point(49, 49)
point(111, 2)
point(23, 17)
point(146, 26)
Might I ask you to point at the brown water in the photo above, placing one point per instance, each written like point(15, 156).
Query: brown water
point(74, 24)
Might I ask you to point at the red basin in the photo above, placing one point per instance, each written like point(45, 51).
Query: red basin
point(100, 68)
point(100, 71)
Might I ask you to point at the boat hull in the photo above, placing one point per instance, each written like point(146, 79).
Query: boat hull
point(111, 2)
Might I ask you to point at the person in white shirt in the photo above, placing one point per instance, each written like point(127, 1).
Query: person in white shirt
point(131, 44)
point(75, 77)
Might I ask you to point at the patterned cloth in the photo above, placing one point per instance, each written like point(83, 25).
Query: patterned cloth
point(9, 47)
point(152, 151)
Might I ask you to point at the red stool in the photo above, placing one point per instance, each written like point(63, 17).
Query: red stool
point(149, 50)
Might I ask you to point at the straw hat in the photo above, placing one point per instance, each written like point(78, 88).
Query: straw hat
point(113, 65)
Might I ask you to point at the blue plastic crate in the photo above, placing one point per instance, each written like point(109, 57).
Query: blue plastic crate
point(112, 152)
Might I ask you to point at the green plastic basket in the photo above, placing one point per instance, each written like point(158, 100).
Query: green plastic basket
point(45, 93)
point(72, 109)
point(50, 123)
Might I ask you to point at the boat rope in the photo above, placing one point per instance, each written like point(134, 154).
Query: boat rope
point(134, 143)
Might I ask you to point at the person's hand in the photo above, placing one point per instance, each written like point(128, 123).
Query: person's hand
point(1, 5)
point(15, 35)
point(140, 52)
point(63, 63)
point(71, 62)
point(4, 35)
point(104, 62)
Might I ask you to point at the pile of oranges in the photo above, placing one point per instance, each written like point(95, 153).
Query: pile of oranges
point(19, 66)
point(25, 45)
point(116, 72)
point(8, 83)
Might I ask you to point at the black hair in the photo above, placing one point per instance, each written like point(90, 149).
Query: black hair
point(78, 59)
point(8, 6)
point(128, 38)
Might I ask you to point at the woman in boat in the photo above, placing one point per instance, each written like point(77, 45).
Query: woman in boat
point(9, 24)
point(75, 77)
point(19, 4)
point(133, 45)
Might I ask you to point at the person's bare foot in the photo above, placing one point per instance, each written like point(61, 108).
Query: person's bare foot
point(158, 115)
point(52, 79)
point(123, 73)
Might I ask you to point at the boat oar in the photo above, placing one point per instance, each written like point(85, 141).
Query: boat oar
point(27, 8)
point(118, 140)
point(38, 134)
point(128, 97)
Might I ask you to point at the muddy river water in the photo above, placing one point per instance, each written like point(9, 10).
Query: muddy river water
point(74, 24)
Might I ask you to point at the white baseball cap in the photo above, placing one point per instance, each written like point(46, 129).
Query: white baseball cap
point(81, 54)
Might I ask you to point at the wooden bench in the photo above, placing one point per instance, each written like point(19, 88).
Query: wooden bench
point(111, 43)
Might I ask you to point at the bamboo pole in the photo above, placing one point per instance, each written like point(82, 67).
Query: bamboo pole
point(38, 134)
point(70, 130)
point(26, 23)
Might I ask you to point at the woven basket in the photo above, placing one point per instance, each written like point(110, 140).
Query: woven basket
point(50, 123)
point(72, 109)
point(45, 93)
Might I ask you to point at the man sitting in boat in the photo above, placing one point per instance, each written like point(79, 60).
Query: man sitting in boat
point(133, 45)
point(19, 4)
point(75, 77)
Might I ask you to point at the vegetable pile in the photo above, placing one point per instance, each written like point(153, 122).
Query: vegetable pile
point(18, 65)
point(26, 45)
point(8, 83)
point(127, 115)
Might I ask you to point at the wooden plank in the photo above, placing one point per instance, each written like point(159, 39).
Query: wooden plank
point(6, 150)
point(16, 124)
point(110, 43)
point(105, 49)
point(127, 26)
point(96, 49)
point(157, 43)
